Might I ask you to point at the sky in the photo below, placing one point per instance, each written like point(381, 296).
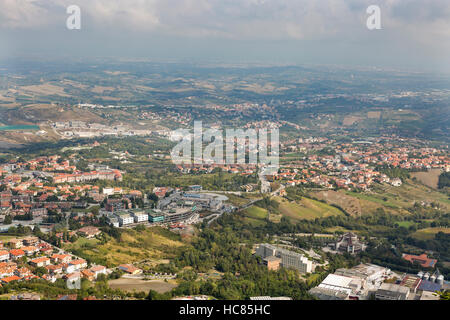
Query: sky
point(414, 34)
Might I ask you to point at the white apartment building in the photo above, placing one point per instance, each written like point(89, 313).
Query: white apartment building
point(139, 216)
point(289, 259)
point(124, 218)
point(4, 255)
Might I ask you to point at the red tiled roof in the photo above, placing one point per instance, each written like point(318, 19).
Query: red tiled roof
point(9, 279)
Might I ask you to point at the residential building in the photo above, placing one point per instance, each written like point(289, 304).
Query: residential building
point(61, 258)
point(4, 255)
point(15, 243)
point(88, 274)
point(128, 268)
point(78, 264)
point(124, 218)
point(139, 215)
point(73, 276)
point(156, 216)
point(289, 259)
point(113, 205)
point(30, 250)
point(30, 241)
point(54, 269)
point(89, 232)
point(16, 254)
point(9, 279)
point(272, 262)
point(40, 262)
point(97, 270)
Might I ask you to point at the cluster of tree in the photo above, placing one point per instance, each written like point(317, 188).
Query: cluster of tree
point(238, 287)
point(294, 193)
point(244, 275)
point(24, 217)
point(394, 172)
point(8, 219)
point(100, 289)
point(269, 204)
point(444, 180)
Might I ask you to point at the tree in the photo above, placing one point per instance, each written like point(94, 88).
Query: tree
point(8, 220)
point(40, 271)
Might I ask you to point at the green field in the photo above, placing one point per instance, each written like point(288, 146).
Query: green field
point(378, 198)
point(255, 216)
point(306, 208)
point(83, 243)
point(152, 243)
point(256, 212)
point(405, 224)
point(6, 238)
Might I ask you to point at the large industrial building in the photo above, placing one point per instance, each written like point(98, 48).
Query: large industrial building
point(356, 283)
point(391, 291)
point(366, 281)
point(370, 273)
point(337, 287)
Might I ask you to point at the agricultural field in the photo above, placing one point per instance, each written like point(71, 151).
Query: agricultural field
point(306, 208)
point(394, 200)
point(152, 243)
point(429, 233)
point(348, 203)
point(139, 285)
point(429, 178)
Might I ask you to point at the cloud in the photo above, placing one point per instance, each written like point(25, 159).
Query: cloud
point(279, 19)
point(22, 14)
point(327, 25)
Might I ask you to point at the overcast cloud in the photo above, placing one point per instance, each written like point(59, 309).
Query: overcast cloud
point(414, 32)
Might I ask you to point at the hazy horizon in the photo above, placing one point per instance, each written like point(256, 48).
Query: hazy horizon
point(413, 36)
